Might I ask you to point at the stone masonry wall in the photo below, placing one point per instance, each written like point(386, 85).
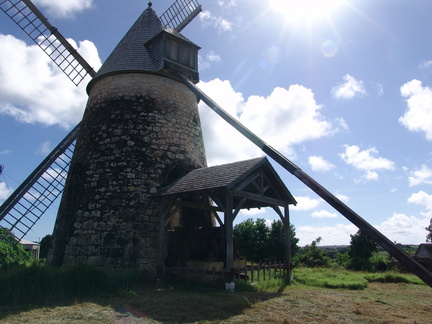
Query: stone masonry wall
point(136, 129)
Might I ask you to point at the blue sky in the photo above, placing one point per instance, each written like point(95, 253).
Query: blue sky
point(342, 88)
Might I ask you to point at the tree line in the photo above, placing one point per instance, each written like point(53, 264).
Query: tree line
point(259, 243)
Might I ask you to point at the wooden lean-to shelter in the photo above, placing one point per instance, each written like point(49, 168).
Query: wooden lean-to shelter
point(231, 187)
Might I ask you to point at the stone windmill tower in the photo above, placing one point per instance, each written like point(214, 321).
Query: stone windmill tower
point(140, 131)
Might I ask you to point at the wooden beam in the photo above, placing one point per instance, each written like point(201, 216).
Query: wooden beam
point(267, 200)
point(238, 208)
point(218, 218)
point(246, 181)
point(278, 211)
point(218, 202)
point(198, 206)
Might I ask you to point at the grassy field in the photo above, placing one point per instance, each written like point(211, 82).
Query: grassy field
point(352, 298)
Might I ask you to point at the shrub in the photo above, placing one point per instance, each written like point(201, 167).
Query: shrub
point(11, 251)
point(312, 256)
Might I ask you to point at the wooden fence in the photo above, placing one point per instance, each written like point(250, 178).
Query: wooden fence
point(249, 273)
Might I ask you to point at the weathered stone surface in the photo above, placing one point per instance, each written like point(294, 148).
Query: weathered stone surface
point(137, 129)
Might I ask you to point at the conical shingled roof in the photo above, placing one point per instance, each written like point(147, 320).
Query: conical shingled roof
point(131, 54)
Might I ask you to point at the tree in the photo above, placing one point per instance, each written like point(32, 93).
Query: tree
point(312, 256)
point(45, 245)
point(361, 250)
point(429, 229)
point(277, 241)
point(256, 242)
point(10, 249)
point(252, 239)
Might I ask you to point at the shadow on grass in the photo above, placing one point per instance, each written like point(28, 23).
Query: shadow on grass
point(33, 288)
point(185, 304)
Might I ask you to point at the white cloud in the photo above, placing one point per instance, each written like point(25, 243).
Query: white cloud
point(366, 161)
point(318, 163)
point(221, 24)
point(252, 212)
point(343, 198)
point(421, 176)
point(45, 148)
point(63, 8)
point(405, 229)
point(34, 90)
point(285, 118)
point(323, 214)
point(206, 61)
point(306, 203)
point(331, 235)
point(228, 3)
point(4, 191)
point(418, 117)
point(421, 198)
point(399, 228)
point(349, 89)
point(426, 65)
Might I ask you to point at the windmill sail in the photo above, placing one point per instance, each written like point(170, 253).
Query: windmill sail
point(25, 14)
point(33, 198)
point(180, 14)
point(37, 193)
point(332, 200)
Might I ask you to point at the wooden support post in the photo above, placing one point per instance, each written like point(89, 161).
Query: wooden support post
point(287, 226)
point(229, 233)
point(259, 269)
point(161, 261)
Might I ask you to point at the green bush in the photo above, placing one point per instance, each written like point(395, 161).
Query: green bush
point(312, 256)
point(11, 251)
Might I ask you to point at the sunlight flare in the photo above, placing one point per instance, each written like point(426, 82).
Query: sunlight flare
point(295, 10)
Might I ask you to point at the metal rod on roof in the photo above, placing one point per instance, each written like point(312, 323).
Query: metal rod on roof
point(352, 216)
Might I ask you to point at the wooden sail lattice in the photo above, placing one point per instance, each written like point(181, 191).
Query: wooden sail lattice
point(23, 209)
point(180, 14)
point(36, 26)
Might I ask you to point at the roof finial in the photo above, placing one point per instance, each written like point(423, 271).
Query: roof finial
point(150, 4)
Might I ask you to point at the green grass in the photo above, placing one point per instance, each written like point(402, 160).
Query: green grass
point(390, 277)
point(330, 278)
point(40, 284)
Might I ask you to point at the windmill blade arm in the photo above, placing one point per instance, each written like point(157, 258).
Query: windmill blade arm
point(180, 14)
point(31, 20)
point(35, 195)
point(364, 226)
point(54, 31)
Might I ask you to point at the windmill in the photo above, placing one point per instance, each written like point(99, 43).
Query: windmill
point(20, 212)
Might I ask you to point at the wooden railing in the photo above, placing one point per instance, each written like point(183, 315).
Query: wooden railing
point(248, 273)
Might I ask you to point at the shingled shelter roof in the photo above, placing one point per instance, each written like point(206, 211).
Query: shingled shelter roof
point(254, 179)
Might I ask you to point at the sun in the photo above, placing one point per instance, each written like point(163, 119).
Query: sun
point(297, 10)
